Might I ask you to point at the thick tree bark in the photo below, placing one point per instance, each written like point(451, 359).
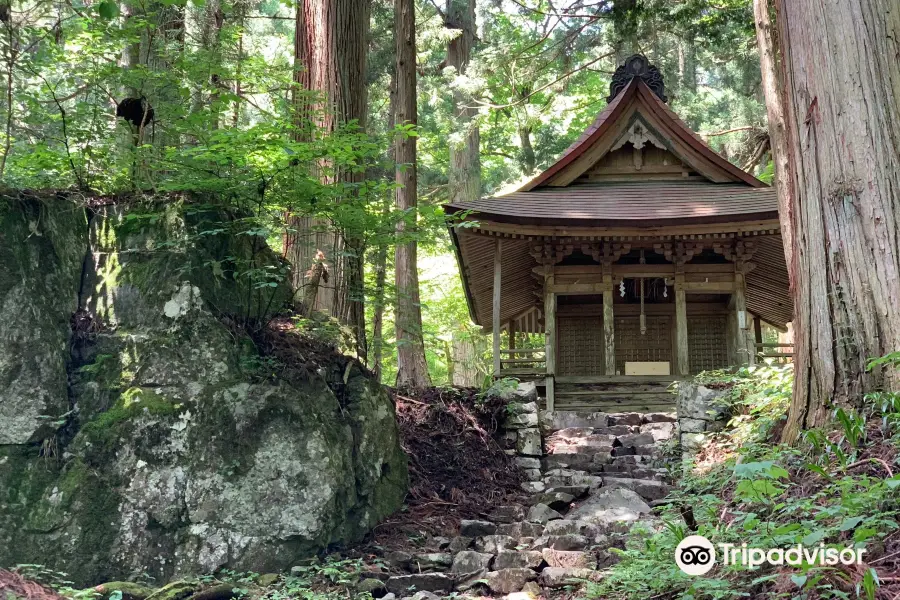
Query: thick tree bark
point(330, 47)
point(843, 128)
point(528, 161)
point(412, 370)
point(465, 160)
point(773, 88)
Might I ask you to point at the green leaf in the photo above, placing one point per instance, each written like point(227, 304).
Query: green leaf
point(851, 523)
point(108, 10)
point(799, 580)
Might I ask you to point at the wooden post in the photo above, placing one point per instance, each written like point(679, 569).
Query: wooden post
point(609, 326)
point(682, 357)
point(744, 355)
point(496, 306)
point(550, 339)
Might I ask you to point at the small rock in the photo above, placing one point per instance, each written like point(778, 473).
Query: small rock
point(558, 460)
point(532, 487)
point(529, 442)
point(648, 489)
point(558, 501)
point(494, 544)
point(459, 543)
point(576, 491)
point(440, 542)
point(522, 421)
point(375, 587)
point(625, 419)
point(611, 507)
point(470, 528)
point(659, 418)
point(467, 581)
point(636, 439)
point(267, 579)
point(555, 421)
point(423, 595)
point(522, 529)
point(527, 462)
point(508, 581)
point(569, 541)
point(568, 559)
point(660, 431)
point(389, 596)
point(510, 559)
point(428, 582)
point(533, 474)
point(557, 577)
point(468, 561)
point(398, 558)
point(507, 514)
point(532, 589)
point(568, 526)
point(432, 561)
point(541, 513)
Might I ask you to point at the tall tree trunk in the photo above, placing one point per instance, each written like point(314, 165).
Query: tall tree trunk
point(687, 64)
point(381, 253)
point(773, 88)
point(843, 130)
point(330, 48)
point(528, 160)
point(465, 160)
point(412, 370)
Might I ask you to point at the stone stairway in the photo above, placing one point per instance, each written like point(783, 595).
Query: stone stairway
point(597, 474)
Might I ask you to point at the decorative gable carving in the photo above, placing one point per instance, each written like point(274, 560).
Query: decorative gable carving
point(637, 65)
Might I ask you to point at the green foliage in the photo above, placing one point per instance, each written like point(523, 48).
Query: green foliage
point(832, 490)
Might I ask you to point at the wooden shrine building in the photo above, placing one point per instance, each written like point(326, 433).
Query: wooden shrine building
point(641, 255)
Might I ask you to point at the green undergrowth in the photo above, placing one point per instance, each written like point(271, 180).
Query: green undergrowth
point(838, 488)
point(330, 578)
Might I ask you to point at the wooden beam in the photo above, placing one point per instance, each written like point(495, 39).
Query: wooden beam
point(742, 320)
point(682, 357)
point(762, 225)
point(580, 288)
point(550, 390)
point(498, 249)
point(609, 327)
point(757, 330)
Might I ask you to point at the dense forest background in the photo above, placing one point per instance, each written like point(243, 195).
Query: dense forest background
point(257, 106)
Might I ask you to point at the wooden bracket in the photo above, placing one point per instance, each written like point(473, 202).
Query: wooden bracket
point(679, 253)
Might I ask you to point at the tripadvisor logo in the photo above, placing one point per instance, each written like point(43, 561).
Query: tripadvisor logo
point(696, 555)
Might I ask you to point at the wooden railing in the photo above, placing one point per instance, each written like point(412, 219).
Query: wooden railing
point(782, 353)
point(518, 362)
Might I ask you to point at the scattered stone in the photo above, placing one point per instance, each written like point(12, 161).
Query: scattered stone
point(427, 582)
point(467, 581)
point(533, 474)
point(423, 595)
point(533, 487)
point(398, 558)
point(659, 418)
point(636, 439)
point(623, 429)
point(624, 451)
point(529, 442)
point(471, 528)
point(521, 529)
point(507, 514)
point(510, 559)
point(541, 513)
point(389, 596)
point(557, 420)
point(527, 462)
point(495, 544)
point(576, 491)
point(570, 527)
point(266, 579)
point(522, 421)
point(569, 541)
point(532, 589)
point(558, 501)
point(611, 507)
point(459, 543)
point(625, 419)
point(432, 561)
point(508, 581)
point(372, 586)
point(648, 489)
point(468, 561)
point(660, 431)
point(568, 559)
point(556, 460)
point(557, 577)
point(688, 425)
point(440, 542)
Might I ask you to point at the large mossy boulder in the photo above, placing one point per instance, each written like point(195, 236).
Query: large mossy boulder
point(187, 449)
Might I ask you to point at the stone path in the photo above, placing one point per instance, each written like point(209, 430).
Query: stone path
point(594, 475)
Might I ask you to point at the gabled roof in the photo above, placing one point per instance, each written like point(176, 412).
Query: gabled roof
point(637, 97)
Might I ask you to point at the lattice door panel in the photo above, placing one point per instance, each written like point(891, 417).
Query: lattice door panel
point(654, 346)
point(579, 346)
point(707, 347)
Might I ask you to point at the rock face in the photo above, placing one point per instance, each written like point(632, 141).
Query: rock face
point(184, 449)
